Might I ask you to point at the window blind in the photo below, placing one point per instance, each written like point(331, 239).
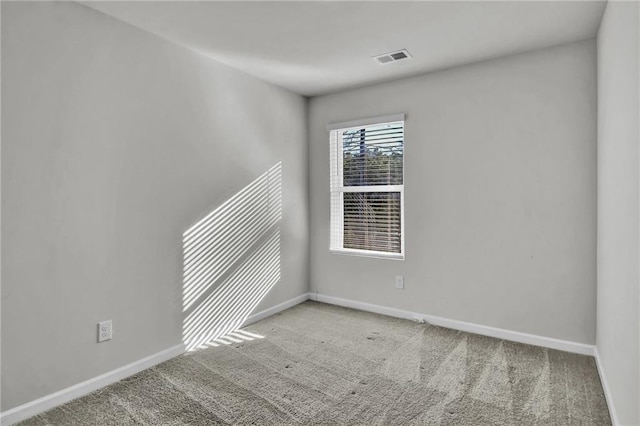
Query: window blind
point(367, 189)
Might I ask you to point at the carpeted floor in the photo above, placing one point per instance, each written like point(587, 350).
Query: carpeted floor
point(321, 364)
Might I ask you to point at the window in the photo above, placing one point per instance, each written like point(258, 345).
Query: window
point(367, 187)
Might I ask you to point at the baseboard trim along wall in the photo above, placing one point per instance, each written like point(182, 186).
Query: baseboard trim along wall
point(515, 336)
point(23, 412)
point(45, 403)
point(607, 392)
point(275, 309)
point(40, 405)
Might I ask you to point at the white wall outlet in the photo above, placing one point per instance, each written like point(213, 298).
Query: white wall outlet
point(399, 282)
point(104, 331)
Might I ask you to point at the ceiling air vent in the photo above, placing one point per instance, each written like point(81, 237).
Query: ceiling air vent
point(392, 57)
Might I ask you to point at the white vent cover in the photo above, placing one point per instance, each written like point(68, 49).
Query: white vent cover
point(398, 55)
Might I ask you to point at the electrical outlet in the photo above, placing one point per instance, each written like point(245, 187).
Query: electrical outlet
point(399, 282)
point(104, 331)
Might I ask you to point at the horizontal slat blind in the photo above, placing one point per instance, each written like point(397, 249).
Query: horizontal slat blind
point(373, 155)
point(372, 221)
point(367, 188)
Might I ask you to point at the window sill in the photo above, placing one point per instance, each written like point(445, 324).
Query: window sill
point(368, 253)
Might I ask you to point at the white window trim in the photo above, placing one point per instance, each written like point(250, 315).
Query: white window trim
point(368, 253)
point(344, 125)
point(340, 189)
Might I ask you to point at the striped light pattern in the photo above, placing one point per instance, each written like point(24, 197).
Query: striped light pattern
point(231, 260)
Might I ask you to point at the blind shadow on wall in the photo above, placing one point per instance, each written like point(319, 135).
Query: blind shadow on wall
point(231, 260)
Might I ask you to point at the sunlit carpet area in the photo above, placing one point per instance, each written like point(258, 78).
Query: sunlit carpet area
point(321, 364)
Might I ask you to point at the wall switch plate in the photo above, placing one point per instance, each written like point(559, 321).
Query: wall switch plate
point(399, 282)
point(104, 331)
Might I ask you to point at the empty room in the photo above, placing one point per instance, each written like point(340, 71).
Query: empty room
point(320, 213)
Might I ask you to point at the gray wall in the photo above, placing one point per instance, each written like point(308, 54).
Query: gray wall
point(113, 143)
point(618, 311)
point(500, 194)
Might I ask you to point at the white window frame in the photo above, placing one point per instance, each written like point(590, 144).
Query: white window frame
point(337, 189)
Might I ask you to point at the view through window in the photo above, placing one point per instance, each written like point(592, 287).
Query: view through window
point(367, 189)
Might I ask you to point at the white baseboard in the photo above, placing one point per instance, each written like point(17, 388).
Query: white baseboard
point(40, 405)
point(45, 403)
point(275, 309)
point(607, 393)
point(515, 336)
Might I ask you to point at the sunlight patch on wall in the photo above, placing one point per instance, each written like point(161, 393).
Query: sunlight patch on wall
point(231, 261)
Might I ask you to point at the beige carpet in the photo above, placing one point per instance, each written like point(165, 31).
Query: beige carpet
point(320, 364)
